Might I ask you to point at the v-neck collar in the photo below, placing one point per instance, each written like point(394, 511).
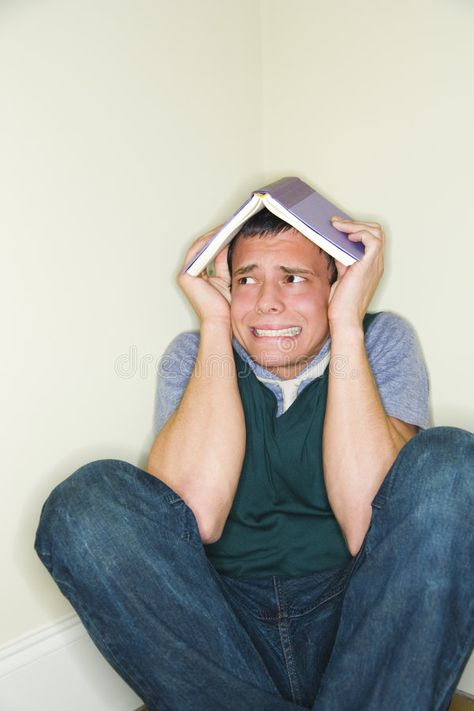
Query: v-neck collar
point(286, 391)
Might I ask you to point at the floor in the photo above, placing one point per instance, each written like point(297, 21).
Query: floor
point(462, 703)
point(459, 703)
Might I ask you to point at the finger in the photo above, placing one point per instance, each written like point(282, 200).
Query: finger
point(371, 242)
point(195, 248)
point(359, 222)
point(354, 226)
point(341, 269)
point(199, 243)
point(220, 264)
point(331, 292)
point(368, 223)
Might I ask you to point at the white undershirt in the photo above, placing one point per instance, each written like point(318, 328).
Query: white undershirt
point(289, 388)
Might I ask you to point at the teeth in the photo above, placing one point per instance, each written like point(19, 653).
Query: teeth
point(281, 332)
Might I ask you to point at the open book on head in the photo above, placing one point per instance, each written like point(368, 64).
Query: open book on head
point(294, 202)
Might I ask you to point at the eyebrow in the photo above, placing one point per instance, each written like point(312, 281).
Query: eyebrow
point(297, 270)
point(286, 270)
point(244, 270)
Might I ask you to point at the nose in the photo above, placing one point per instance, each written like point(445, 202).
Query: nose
point(269, 299)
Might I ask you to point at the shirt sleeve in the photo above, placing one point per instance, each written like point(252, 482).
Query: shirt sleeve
point(399, 368)
point(174, 371)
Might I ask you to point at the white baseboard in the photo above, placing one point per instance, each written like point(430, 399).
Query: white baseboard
point(57, 668)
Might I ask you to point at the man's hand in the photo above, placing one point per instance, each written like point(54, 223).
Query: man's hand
point(351, 294)
point(208, 295)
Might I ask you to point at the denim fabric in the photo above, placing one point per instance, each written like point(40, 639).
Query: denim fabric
point(392, 630)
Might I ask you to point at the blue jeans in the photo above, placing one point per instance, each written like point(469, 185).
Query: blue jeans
point(392, 631)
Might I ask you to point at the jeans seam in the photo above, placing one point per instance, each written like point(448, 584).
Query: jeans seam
point(334, 593)
point(188, 534)
point(285, 639)
point(172, 498)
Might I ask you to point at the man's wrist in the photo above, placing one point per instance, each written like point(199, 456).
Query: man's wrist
point(216, 326)
point(347, 330)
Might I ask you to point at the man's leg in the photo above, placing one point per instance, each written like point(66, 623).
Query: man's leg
point(407, 621)
point(126, 551)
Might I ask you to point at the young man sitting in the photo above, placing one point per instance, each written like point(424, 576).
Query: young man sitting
point(300, 538)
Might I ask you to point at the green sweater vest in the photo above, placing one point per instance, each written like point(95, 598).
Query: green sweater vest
point(280, 522)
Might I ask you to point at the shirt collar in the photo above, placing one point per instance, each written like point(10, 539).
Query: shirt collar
point(262, 373)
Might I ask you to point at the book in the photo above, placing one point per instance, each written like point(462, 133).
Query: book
point(295, 202)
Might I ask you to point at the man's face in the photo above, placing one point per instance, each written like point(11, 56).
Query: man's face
point(280, 292)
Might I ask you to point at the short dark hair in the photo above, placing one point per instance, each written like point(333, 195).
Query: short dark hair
point(265, 224)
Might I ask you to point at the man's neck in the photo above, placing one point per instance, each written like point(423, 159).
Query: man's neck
point(286, 372)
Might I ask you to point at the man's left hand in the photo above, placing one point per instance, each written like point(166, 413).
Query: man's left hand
point(351, 294)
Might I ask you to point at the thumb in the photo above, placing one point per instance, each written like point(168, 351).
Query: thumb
point(332, 290)
point(341, 269)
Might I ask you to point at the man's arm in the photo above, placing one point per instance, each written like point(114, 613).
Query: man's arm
point(199, 452)
point(360, 442)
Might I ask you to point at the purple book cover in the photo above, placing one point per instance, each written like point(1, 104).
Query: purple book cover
point(309, 207)
point(314, 210)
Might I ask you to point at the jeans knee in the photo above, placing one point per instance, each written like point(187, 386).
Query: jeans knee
point(446, 438)
point(440, 462)
point(77, 503)
point(103, 510)
point(427, 499)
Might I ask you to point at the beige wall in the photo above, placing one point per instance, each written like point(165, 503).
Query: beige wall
point(121, 139)
point(126, 128)
point(378, 110)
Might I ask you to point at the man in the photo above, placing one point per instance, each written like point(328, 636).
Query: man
point(297, 546)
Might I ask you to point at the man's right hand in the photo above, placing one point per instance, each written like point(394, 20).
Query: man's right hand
point(208, 295)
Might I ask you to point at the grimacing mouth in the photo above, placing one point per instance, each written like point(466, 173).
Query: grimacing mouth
point(289, 332)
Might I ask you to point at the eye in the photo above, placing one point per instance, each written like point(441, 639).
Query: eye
point(243, 280)
point(295, 278)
